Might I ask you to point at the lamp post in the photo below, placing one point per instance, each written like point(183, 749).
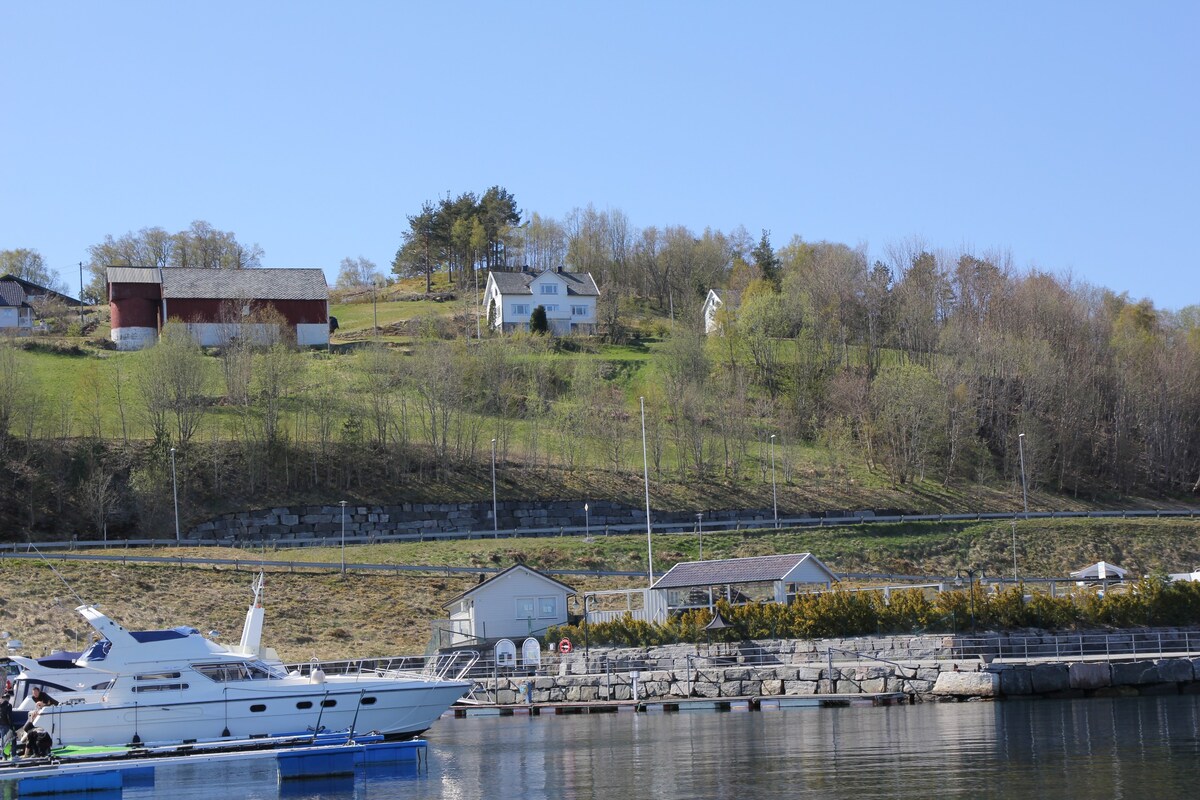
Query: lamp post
point(700, 531)
point(495, 518)
point(774, 493)
point(971, 573)
point(587, 524)
point(1024, 490)
point(646, 475)
point(175, 494)
point(342, 503)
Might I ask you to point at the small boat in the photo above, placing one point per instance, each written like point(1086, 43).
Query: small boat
point(178, 686)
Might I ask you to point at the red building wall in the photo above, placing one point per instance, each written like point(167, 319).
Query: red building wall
point(135, 305)
point(296, 312)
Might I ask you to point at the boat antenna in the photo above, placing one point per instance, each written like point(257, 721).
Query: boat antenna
point(66, 583)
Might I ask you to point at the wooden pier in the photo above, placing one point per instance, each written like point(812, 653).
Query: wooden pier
point(677, 705)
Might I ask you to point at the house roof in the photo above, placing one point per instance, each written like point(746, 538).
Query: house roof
point(756, 569)
point(11, 294)
point(477, 587)
point(728, 297)
point(31, 289)
point(580, 284)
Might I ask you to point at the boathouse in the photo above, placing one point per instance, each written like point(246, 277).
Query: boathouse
point(218, 305)
point(517, 602)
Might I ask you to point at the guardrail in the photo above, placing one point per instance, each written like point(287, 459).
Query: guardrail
point(755, 524)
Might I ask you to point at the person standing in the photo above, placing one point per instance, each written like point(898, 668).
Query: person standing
point(8, 733)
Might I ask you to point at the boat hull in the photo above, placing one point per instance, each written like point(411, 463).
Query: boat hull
point(393, 708)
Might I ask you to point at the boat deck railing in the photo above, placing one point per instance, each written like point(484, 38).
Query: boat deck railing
point(446, 666)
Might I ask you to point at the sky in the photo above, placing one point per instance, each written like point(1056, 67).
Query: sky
point(1066, 134)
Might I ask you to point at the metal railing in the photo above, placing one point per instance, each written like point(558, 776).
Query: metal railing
point(752, 522)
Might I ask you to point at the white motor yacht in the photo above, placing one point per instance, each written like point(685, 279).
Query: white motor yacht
point(176, 685)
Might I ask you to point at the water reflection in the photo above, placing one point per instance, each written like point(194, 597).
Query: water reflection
point(1121, 748)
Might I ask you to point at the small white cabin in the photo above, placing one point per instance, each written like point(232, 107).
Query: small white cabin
point(516, 603)
point(1100, 571)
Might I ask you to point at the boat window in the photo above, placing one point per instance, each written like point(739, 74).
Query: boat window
point(328, 703)
point(304, 704)
point(156, 676)
point(161, 687)
point(100, 687)
point(368, 701)
point(223, 673)
point(257, 707)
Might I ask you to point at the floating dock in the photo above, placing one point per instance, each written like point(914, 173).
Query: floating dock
point(115, 768)
point(730, 704)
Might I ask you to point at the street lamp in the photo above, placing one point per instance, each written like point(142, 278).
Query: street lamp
point(342, 503)
point(958, 581)
point(700, 530)
point(774, 493)
point(1024, 491)
point(587, 524)
point(646, 474)
point(175, 494)
point(495, 518)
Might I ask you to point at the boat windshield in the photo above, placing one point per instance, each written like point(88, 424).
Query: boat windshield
point(238, 671)
point(97, 651)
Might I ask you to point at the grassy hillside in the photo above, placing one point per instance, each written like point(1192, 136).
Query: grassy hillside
point(320, 614)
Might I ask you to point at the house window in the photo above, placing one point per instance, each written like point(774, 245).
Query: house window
point(520, 309)
point(547, 607)
point(551, 308)
point(525, 607)
point(579, 311)
point(549, 288)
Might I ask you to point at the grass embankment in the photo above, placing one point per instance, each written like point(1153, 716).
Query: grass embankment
point(318, 613)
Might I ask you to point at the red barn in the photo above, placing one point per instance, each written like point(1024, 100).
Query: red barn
point(217, 304)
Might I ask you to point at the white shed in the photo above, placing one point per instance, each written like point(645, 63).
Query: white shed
point(1100, 571)
point(779, 578)
point(517, 602)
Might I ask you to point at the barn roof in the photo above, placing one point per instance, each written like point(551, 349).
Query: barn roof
point(133, 275)
point(756, 569)
point(244, 284)
point(579, 284)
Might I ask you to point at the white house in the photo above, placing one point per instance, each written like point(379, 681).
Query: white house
point(717, 299)
point(568, 297)
point(16, 315)
point(516, 603)
point(16, 309)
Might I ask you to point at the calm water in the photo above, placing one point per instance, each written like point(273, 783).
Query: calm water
point(1133, 748)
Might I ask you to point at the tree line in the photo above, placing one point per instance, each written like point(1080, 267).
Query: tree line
point(921, 365)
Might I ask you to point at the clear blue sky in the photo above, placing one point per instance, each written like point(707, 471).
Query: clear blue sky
point(1067, 133)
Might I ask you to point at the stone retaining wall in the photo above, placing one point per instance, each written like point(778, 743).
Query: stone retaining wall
point(924, 667)
point(305, 522)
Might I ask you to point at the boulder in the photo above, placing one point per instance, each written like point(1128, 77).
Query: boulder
point(1091, 675)
point(967, 684)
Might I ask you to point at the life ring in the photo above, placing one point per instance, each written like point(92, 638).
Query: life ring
point(564, 646)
